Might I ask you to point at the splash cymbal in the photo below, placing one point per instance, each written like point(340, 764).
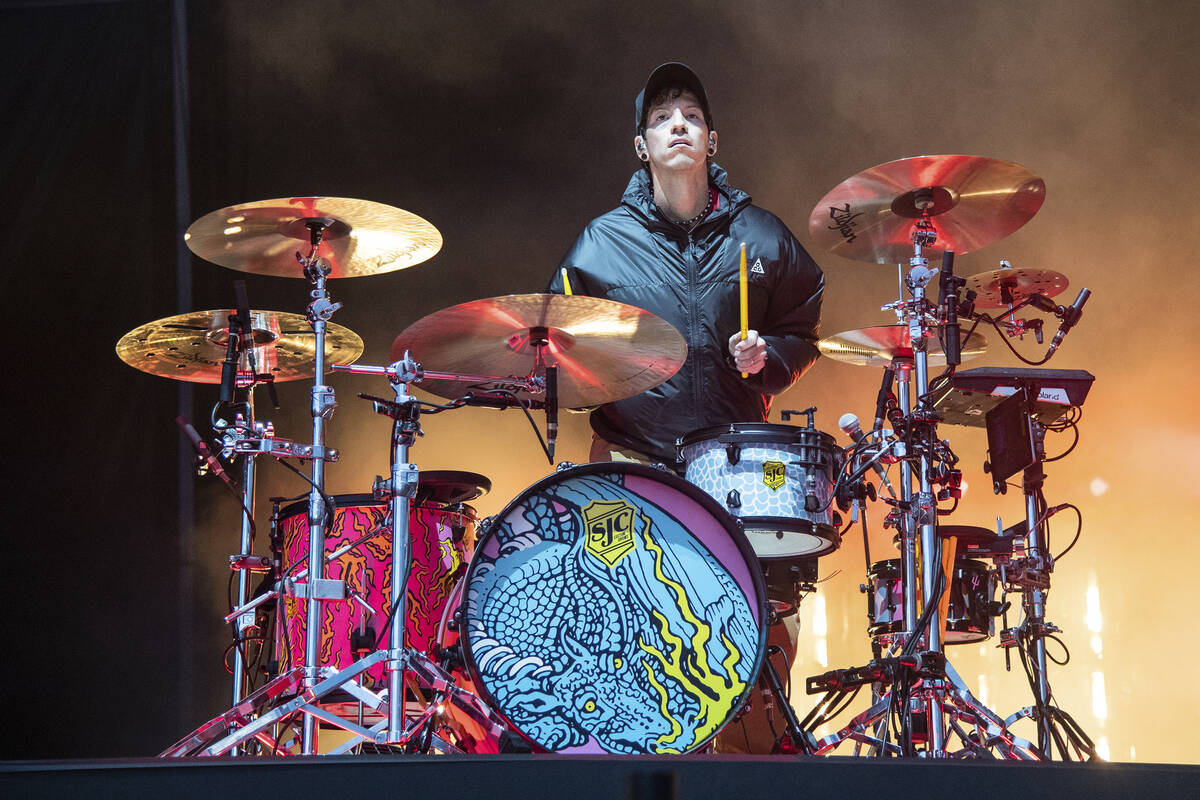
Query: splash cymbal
point(878, 346)
point(604, 350)
point(359, 237)
point(972, 202)
point(992, 287)
point(191, 347)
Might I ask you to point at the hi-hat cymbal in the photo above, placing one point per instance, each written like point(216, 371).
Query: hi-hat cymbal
point(992, 287)
point(973, 202)
point(878, 346)
point(605, 350)
point(359, 238)
point(191, 347)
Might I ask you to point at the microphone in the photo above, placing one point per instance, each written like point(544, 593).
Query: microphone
point(851, 427)
point(203, 450)
point(551, 410)
point(1070, 317)
point(951, 346)
point(885, 394)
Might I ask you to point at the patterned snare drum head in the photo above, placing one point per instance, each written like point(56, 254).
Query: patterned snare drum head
point(614, 608)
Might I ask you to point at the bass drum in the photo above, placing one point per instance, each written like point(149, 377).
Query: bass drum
point(442, 532)
point(614, 608)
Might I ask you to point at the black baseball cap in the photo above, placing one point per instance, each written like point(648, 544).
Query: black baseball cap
point(670, 74)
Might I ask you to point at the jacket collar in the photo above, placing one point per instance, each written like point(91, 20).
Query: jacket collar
point(639, 197)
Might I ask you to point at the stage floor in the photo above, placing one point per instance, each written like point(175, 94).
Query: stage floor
point(602, 778)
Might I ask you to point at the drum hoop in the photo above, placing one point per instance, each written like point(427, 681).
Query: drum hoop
point(729, 523)
point(341, 501)
point(757, 433)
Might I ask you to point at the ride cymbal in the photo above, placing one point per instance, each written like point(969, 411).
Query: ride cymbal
point(972, 202)
point(358, 237)
point(878, 346)
point(604, 350)
point(191, 347)
point(991, 288)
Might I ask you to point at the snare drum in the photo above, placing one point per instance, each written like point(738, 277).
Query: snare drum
point(614, 608)
point(968, 617)
point(442, 532)
point(778, 479)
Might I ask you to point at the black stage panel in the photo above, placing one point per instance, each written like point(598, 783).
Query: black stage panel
point(600, 777)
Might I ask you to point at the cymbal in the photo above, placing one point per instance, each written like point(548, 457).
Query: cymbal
point(990, 286)
point(605, 350)
point(876, 347)
point(974, 201)
point(360, 237)
point(191, 347)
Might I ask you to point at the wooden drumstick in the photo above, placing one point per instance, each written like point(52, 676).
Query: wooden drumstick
point(949, 551)
point(743, 298)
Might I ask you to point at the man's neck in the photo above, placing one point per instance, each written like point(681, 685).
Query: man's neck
point(681, 196)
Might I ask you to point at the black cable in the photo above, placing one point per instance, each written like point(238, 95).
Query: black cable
point(1075, 430)
point(330, 505)
point(388, 623)
point(1078, 531)
point(1066, 651)
point(835, 713)
point(1008, 344)
point(914, 638)
point(945, 512)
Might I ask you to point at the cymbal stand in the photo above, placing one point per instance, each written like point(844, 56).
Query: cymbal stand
point(398, 491)
point(921, 510)
point(941, 694)
point(239, 378)
point(317, 588)
point(298, 690)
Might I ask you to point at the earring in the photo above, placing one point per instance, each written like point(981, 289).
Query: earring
point(641, 151)
point(712, 145)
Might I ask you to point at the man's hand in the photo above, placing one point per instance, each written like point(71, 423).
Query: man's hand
point(750, 354)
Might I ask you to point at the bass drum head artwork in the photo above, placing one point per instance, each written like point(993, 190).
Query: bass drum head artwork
point(615, 608)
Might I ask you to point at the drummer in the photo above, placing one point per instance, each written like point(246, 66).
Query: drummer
point(673, 248)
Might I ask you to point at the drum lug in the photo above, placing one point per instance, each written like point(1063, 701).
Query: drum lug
point(734, 498)
point(734, 453)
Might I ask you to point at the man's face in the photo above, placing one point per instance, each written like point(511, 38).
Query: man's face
point(676, 134)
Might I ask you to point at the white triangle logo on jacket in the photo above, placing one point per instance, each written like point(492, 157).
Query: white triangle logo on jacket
point(758, 267)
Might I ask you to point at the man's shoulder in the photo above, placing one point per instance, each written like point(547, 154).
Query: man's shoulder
point(619, 223)
point(765, 220)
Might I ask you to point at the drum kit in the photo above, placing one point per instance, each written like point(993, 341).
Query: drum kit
point(619, 607)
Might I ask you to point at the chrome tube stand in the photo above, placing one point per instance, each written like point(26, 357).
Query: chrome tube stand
point(323, 404)
point(908, 536)
point(922, 508)
point(401, 488)
point(246, 620)
point(1036, 598)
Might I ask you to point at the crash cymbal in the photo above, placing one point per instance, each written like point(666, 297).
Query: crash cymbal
point(876, 347)
point(973, 202)
point(605, 350)
point(360, 237)
point(992, 287)
point(191, 347)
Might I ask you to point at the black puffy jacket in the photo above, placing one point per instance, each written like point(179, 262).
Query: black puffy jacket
point(634, 255)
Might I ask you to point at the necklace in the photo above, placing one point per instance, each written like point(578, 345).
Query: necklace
point(690, 223)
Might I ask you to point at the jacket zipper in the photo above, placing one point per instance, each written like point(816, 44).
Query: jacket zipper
point(693, 314)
